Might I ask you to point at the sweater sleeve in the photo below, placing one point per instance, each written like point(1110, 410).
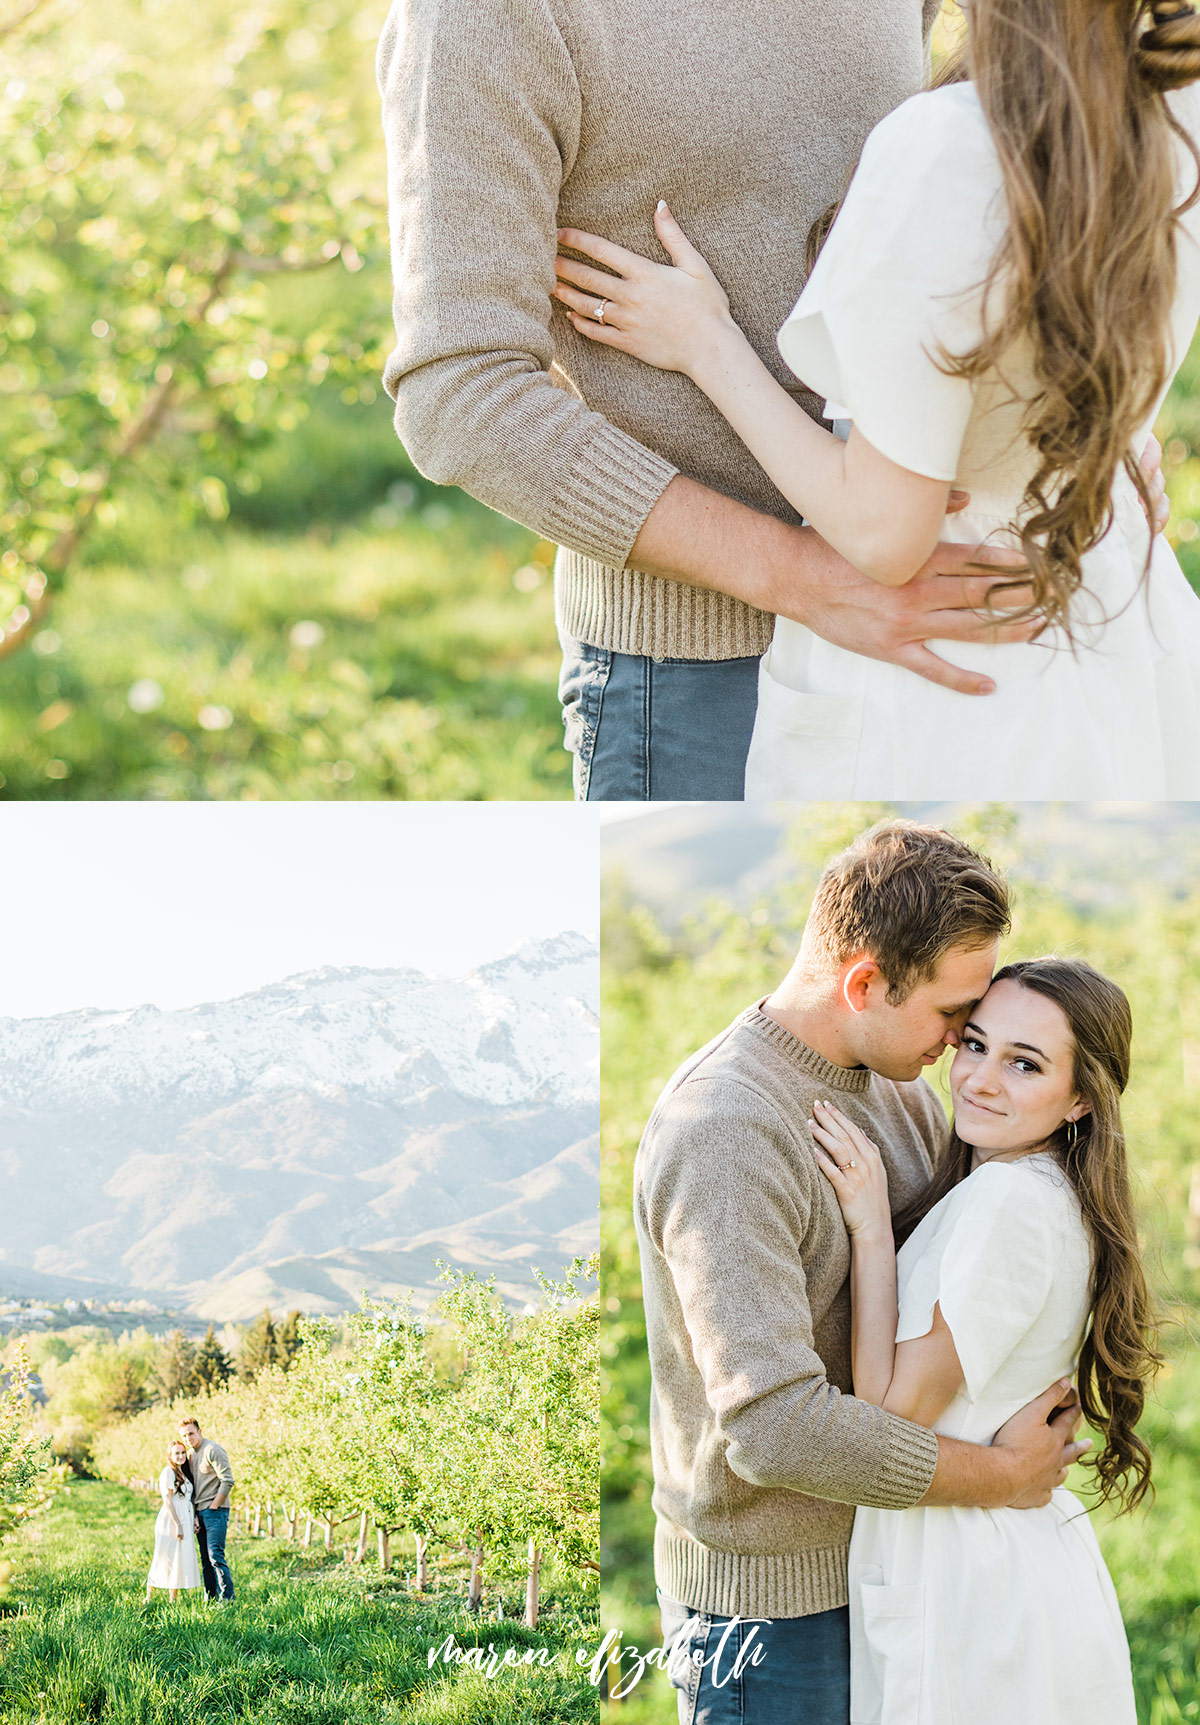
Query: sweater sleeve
point(729, 1218)
point(221, 1466)
point(481, 111)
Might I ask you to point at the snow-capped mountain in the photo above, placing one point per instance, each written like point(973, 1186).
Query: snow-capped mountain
point(340, 1129)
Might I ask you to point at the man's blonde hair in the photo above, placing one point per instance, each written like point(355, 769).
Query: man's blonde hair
point(906, 895)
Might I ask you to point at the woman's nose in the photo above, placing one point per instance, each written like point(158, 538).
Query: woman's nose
point(985, 1077)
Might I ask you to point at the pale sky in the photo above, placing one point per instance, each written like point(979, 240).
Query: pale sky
point(173, 904)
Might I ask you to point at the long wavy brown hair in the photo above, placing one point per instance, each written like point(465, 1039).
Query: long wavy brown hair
point(1074, 95)
point(182, 1471)
point(1119, 1357)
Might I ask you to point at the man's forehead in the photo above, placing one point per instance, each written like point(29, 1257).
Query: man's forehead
point(964, 974)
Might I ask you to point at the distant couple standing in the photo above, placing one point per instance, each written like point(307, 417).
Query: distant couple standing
point(194, 1487)
point(802, 1367)
point(747, 603)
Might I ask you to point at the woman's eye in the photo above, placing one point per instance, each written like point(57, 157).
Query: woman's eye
point(1023, 1065)
point(973, 1043)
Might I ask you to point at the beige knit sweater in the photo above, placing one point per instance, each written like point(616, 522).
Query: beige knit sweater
point(759, 1450)
point(508, 118)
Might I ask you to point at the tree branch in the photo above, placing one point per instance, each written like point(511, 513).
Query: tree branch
point(25, 618)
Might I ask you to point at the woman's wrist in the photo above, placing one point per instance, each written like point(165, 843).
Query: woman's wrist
point(718, 352)
point(874, 1237)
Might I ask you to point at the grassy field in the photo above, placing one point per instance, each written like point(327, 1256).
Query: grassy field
point(348, 631)
point(665, 995)
point(310, 1640)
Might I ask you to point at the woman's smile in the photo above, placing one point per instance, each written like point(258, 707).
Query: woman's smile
point(965, 1101)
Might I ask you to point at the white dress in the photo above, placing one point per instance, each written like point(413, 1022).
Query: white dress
point(176, 1562)
point(991, 1616)
point(900, 281)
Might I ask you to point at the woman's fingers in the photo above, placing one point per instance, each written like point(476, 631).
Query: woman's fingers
point(584, 276)
point(828, 1167)
point(831, 1138)
point(587, 304)
point(857, 1137)
point(604, 333)
point(836, 1123)
point(604, 251)
point(675, 242)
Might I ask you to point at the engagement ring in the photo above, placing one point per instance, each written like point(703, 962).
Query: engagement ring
point(600, 310)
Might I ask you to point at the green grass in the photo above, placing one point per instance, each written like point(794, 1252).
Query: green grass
point(434, 678)
point(168, 667)
point(310, 1640)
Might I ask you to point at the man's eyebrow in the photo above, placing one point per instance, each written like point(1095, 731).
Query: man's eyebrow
point(1031, 1046)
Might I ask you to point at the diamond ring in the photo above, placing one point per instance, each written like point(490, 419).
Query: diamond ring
point(601, 308)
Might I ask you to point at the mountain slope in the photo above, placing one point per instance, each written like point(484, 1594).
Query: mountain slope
point(339, 1129)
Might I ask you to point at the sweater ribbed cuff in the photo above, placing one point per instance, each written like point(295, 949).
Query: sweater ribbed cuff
point(908, 1467)
point(607, 494)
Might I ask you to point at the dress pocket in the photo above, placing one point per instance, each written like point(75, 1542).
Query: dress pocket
point(804, 746)
point(887, 1662)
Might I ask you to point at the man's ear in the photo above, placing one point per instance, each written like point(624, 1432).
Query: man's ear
point(856, 983)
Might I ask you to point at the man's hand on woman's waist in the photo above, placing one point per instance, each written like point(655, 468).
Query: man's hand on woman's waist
point(696, 535)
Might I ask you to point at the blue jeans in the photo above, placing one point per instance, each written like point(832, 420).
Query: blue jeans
point(214, 1524)
point(646, 729)
point(802, 1674)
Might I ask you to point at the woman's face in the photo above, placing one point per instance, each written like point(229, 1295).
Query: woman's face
point(1012, 1077)
point(177, 1454)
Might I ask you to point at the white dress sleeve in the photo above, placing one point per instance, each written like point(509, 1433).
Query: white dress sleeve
point(991, 1269)
point(900, 282)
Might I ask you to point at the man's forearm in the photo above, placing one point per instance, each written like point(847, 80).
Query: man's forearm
point(699, 536)
point(972, 1476)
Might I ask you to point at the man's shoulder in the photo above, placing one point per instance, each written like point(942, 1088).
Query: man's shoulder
point(734, 1071)
point(726, 1106)
point(462, 22)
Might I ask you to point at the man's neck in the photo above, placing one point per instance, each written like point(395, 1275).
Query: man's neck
point(816, 1023)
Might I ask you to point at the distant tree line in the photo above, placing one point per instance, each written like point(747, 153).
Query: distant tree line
point(186, 1368)
point(93, 1381)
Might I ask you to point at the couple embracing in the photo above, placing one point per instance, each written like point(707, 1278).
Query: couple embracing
point(892, 538)
point(802, 1366)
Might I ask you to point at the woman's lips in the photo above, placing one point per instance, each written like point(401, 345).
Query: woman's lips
point(980, 1107)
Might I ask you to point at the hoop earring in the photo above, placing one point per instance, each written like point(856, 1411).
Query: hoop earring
point(1072, 1134)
